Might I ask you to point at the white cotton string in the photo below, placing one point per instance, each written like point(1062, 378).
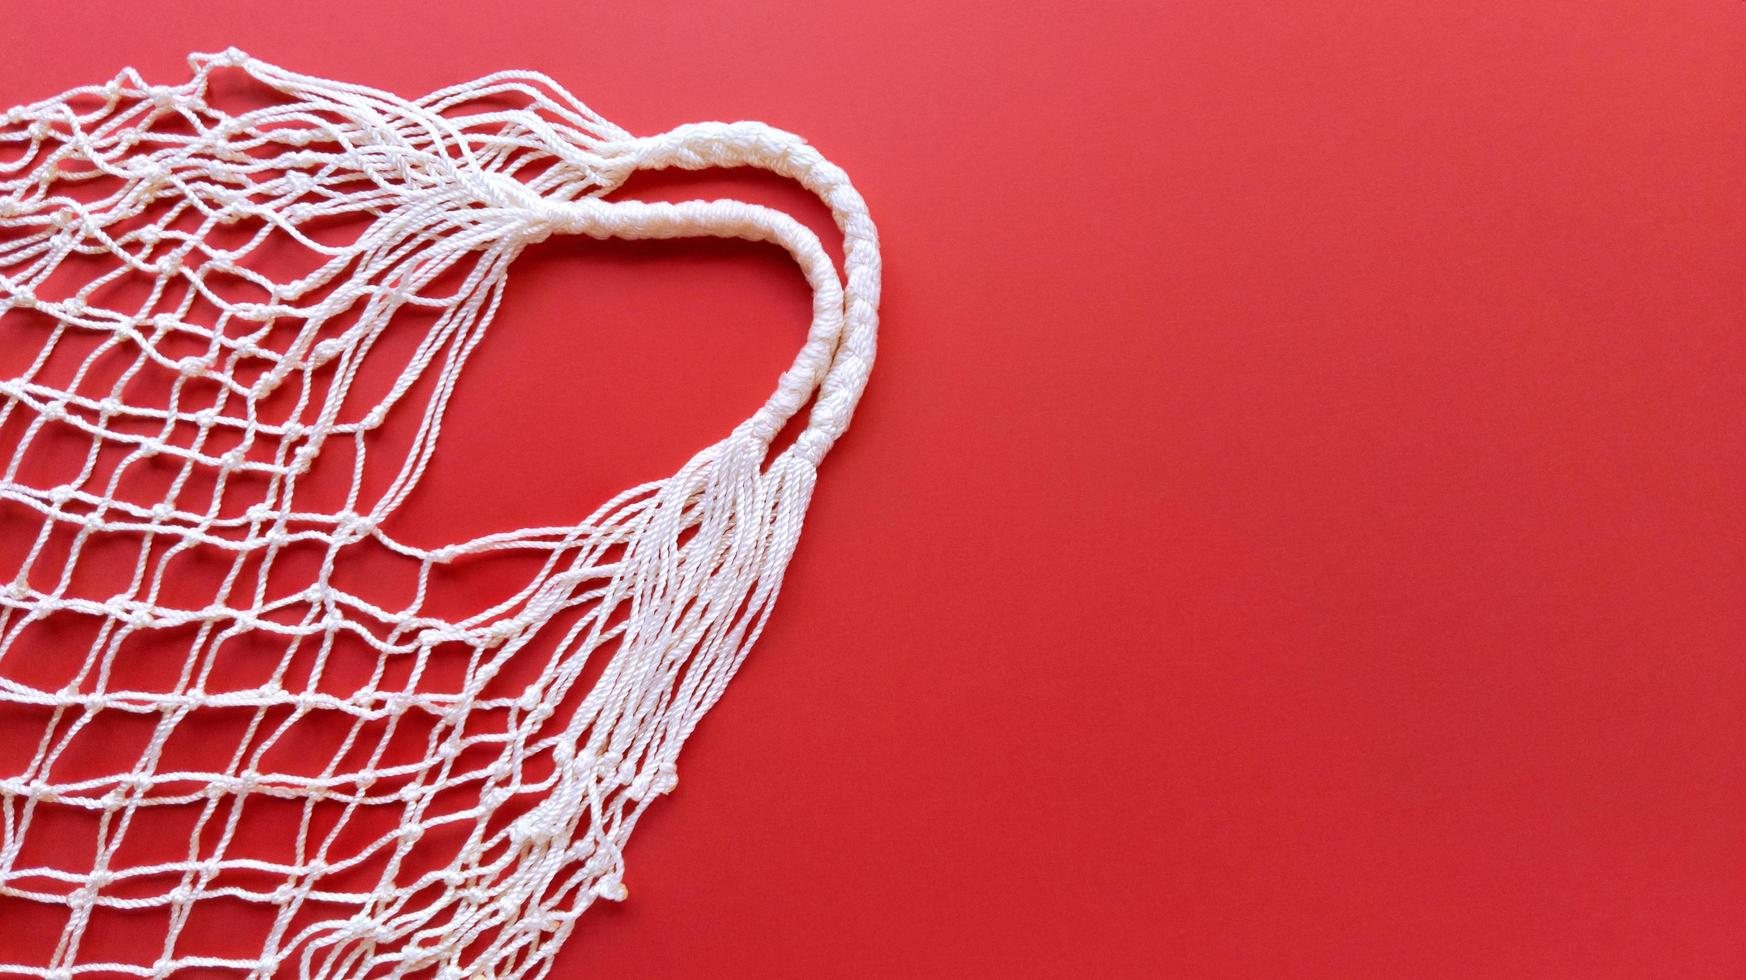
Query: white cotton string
point(640, 614)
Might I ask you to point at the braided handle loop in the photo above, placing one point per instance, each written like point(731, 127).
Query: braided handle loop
point(836, 359)
point(599, 218)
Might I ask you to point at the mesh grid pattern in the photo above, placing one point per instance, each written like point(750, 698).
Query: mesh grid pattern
point(203, 445)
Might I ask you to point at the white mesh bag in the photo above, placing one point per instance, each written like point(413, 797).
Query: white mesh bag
point(228, 338)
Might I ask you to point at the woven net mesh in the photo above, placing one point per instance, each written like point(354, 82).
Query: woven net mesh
point(233, 705)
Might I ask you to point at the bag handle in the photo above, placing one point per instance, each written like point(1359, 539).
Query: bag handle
point(841, 344)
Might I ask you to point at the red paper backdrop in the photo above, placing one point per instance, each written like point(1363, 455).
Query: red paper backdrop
point(1297, 526)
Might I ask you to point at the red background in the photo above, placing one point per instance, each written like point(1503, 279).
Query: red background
point(1295, 527)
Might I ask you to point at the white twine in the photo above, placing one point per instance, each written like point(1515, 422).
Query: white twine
point(673, 579)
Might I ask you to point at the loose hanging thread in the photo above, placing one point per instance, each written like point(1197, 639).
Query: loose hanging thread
point(662, 590)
